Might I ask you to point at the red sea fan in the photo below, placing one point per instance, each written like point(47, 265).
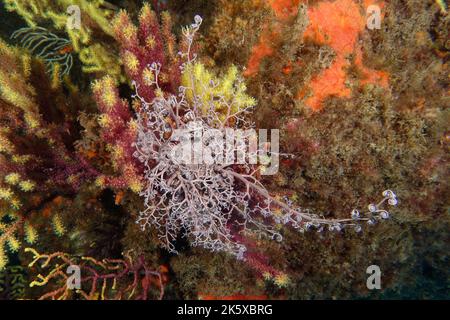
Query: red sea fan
point(140, 46)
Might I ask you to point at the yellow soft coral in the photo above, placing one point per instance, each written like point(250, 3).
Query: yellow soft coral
point(10, 94)
point(100, 182)
point(15, 203)
point(96, 58)
point(208, 88)
point(8, 240)
point(135, 185)
point(131, 62)
point(12, 178)
point(5, 145)
point(20, 159)
point(104, 120)
point(13, 244)
point(106, 89)
point(3, 258)
point(14, 88)
point(31, 235)
point(109, 98)
point(281, 280)
point(27, 185)
point(5, 193)
point(89, 41)
point(34, 11)
point(58, 225)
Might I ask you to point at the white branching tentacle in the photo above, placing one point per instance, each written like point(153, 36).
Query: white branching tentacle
point(212, 203)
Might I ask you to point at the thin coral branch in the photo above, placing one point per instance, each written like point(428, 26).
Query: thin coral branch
point(105, 280)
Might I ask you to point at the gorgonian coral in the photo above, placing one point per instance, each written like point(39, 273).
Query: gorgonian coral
point(91, 39)
point(212, 202)
point(139, 46)
point(37, 162)
point(47, 46)
point(108, 279)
